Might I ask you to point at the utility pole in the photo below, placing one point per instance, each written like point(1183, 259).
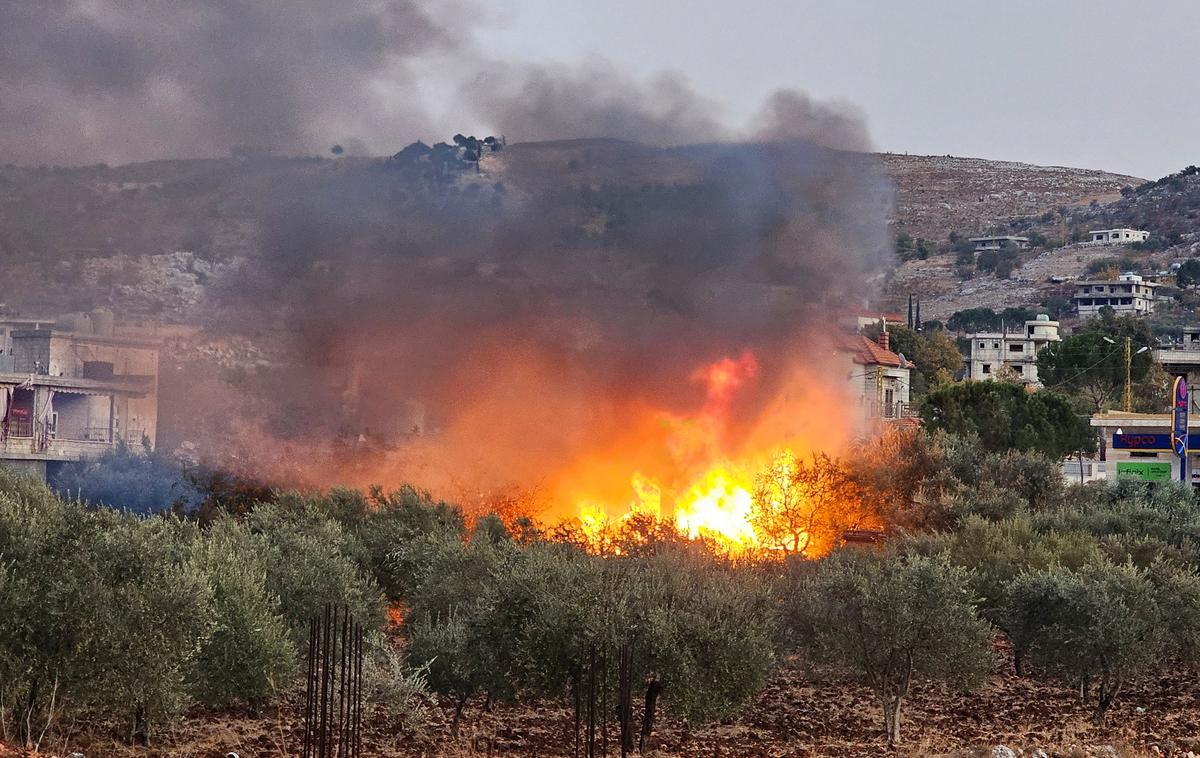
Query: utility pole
point(1128, 366)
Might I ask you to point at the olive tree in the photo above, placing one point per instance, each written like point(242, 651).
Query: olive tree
point(1102, 624)
point(887, 619)
point(249, 655)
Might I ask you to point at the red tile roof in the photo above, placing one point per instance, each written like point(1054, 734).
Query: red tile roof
point(869, 353)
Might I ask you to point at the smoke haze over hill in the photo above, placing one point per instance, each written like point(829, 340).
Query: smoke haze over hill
point(118, 81)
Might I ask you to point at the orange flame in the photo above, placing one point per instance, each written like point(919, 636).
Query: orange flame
point(709, 488)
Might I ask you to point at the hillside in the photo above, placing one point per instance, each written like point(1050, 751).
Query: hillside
point(936, 195)
point(108, 235)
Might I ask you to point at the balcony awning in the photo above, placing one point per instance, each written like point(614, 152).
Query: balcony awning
point(131, 386)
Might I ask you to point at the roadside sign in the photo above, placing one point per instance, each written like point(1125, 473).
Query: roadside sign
point(1179, 424)
point(1147, 471)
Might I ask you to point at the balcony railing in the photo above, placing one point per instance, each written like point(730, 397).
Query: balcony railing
point(893, 410)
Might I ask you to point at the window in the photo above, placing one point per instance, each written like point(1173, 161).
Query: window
point(987, 368)
point(995, 345)
point(1019, 369)
point(1126, 300)
point(1017, 348)
point(982, 345)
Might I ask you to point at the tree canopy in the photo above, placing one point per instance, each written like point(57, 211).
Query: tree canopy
point(1006, 416)
point(1091, 363)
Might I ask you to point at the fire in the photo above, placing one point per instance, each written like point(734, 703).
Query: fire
point(718, 506)
point(708, 490)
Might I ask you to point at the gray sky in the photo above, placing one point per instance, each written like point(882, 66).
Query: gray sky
point(1097, 84)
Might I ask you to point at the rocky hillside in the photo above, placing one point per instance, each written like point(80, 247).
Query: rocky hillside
point(101, 235)
point(936, 195)
point(947, 280)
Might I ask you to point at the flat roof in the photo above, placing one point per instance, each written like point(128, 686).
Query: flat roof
point(97, 339)
point(1094, 282)
point(137, 386)
point(998, 237)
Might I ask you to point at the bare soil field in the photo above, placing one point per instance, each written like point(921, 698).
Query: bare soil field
point(796, 715)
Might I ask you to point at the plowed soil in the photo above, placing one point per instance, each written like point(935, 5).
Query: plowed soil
point(800, 713)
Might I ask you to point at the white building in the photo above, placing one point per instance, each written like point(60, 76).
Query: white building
point(879, 378)
point(1009, 352)
point(1128, 293)
point(999, 243)
point(1118, 236)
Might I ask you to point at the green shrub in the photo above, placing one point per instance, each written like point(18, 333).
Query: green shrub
point(249, 656)
point(889, 619)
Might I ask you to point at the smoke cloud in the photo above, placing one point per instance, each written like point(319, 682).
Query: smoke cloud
point(541, 315)
point(116, 81)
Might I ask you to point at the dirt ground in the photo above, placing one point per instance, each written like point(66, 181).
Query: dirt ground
point(794, 716)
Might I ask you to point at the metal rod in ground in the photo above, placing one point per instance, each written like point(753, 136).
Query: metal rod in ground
point(308, 688)
point(358, 712)
point(343, 697)
point(331, 675)
point(324, 677)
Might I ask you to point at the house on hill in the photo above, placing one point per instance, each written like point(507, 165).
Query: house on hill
point(1127, 294)
point(1121, 236)
point(1005, 242)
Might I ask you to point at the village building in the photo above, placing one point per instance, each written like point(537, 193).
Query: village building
point(1138, 446)
point(1004, 242)
point(1127, 294)
point(879, 378)
point(1182, 358)
point(855, 320)
point(1011, 354)
point(74, 388)
point(1118, 236)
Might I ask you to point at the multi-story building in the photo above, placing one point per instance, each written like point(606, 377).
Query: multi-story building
point(1011, 354)
point(1128, 293)
point(1118, 236)
point(1182, 358)
point(879, 378)
point(74, 388)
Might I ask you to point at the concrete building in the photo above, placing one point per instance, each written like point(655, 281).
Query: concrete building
point(1183, 358)
point(1139, 447)
point(999, 243)
point(879, 378)
point(74, 389)
point(1118, 236)
point(1128, 293)
point(1011, 353)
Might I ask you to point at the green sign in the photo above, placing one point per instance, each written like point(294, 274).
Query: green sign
point(1147, 472)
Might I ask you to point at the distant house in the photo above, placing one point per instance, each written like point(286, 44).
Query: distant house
point(856, 320)
point(879, 378)
point(1118, 236)
point(1129, 294)
point(996, 353)
point(999, 243)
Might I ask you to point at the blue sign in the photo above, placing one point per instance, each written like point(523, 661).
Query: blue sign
point(1179, 424)
point(1142, 442)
